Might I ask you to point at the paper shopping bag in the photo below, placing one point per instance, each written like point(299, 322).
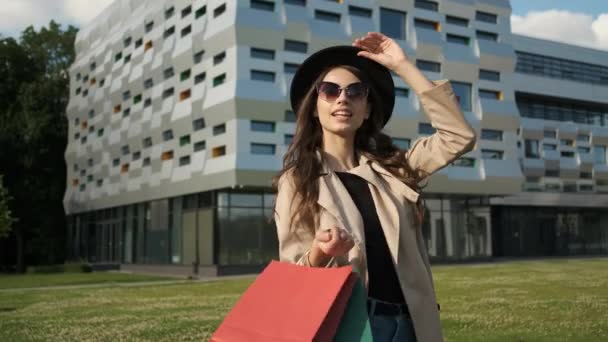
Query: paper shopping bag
point(289, 302)
point(355, 326)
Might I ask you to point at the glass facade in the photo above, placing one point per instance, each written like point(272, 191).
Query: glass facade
point(556, 109)
point(534, 231)
point(529, 63)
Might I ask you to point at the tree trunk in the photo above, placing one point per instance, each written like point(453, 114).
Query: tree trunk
point(20, 251)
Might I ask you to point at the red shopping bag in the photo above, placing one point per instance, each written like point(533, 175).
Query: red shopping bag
point(289, 303)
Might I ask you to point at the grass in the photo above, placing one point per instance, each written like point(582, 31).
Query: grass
point(12, 281)
point(556, 300)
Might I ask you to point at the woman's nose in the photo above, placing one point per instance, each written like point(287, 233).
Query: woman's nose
point(342, 98)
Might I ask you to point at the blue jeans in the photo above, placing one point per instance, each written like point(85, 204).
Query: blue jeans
point(392, 328)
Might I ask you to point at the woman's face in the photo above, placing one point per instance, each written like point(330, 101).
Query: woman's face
point(345, 114)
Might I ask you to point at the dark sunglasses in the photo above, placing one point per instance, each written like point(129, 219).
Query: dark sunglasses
point(329, 91)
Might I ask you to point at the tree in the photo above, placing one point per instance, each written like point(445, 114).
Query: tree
point(6, 220)
point(33, 137)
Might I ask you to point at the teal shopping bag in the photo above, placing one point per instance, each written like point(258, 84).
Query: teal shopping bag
point(354, 326)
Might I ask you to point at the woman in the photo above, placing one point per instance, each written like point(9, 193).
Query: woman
point(347, 195)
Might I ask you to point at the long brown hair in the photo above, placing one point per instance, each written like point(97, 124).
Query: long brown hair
point(304, 167)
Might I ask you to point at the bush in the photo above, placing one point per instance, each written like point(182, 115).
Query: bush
point(61, 268)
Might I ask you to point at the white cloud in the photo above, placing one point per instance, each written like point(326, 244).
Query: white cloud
point(81, 12)
point(18, 14)
point(564, 26)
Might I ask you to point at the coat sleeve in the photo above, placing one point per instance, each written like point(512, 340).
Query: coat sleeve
point(453, 137)
point(295, 240)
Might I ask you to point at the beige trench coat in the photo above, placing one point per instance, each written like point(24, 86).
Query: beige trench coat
point(394, 203)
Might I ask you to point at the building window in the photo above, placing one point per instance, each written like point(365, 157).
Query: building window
point(168, 32)
point(219, 10)
point(357, 11)
point(567, 142)
point(218, 151)
point(531, 149)
point(147, 102)
point(200, 12)
point(585, 187)
point(402, 92)
point(186, 11)
point(428, 65)
point(599, 154)
point(327, 16)
point(262, 5)
point(464, 162)
point(552, 173)
point(184, 140)
point(185, 160)
point(199, 146)
point(167, 93)
point(427, 5)
point(149, 83)
point(184, 95)
point(198, 57)
point(456, 39)
point(402, 143)
point(136, 155)
point(290, 116)
point(492, 154)
point(288, 139)
point(219, 58)
point(126, 95)
point(486, 17)
point(137, 99)
point(167, 155)
point(392, 23)
point(584, 138)
point(199, 78)
point(219, 129)
point(127, 41)
point(268, 149)
point(169, 12)
point(218, 80)
point(487, 35)
point(489, 75)
point(549, 108)
point(100, 132)
point(295, 2)
point(184, 75)
point(262, 126)
point(262, 53)
point(259, 75)
point(149, 26)
point(146, 161)
point(147, 142)
point(198, 124)
point(425, 128)
point(426, 24)
point(549, 147)
point(118, 57)
point(168, 73)
point(290, 68)
point(296, 46)
point(99, 183)
point(186, 30)
point(126, 112)
point(491, 134)
point(116, 162)
point(167, 135)
point(490, 94)
point(463, 94)
point(561, 68)
point(567, 154)
point(450, 19)
point(586, 175)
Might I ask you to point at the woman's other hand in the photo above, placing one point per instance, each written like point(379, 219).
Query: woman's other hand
point(381, 49)
point(328, 243)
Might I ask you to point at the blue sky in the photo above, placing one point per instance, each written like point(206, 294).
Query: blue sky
point(578, 22)
point(592, 7)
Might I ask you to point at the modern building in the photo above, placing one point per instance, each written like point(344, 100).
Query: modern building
point(179, 118)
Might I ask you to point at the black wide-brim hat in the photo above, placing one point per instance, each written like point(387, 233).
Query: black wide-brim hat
point(378, 75)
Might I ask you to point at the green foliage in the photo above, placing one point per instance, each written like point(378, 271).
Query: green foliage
point(34, 94)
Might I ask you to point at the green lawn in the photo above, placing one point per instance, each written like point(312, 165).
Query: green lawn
point(61, 279)
point(558, 300)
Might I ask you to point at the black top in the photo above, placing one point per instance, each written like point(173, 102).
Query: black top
point(383, 280)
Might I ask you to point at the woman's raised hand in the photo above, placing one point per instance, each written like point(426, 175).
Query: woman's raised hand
point(381, 49)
